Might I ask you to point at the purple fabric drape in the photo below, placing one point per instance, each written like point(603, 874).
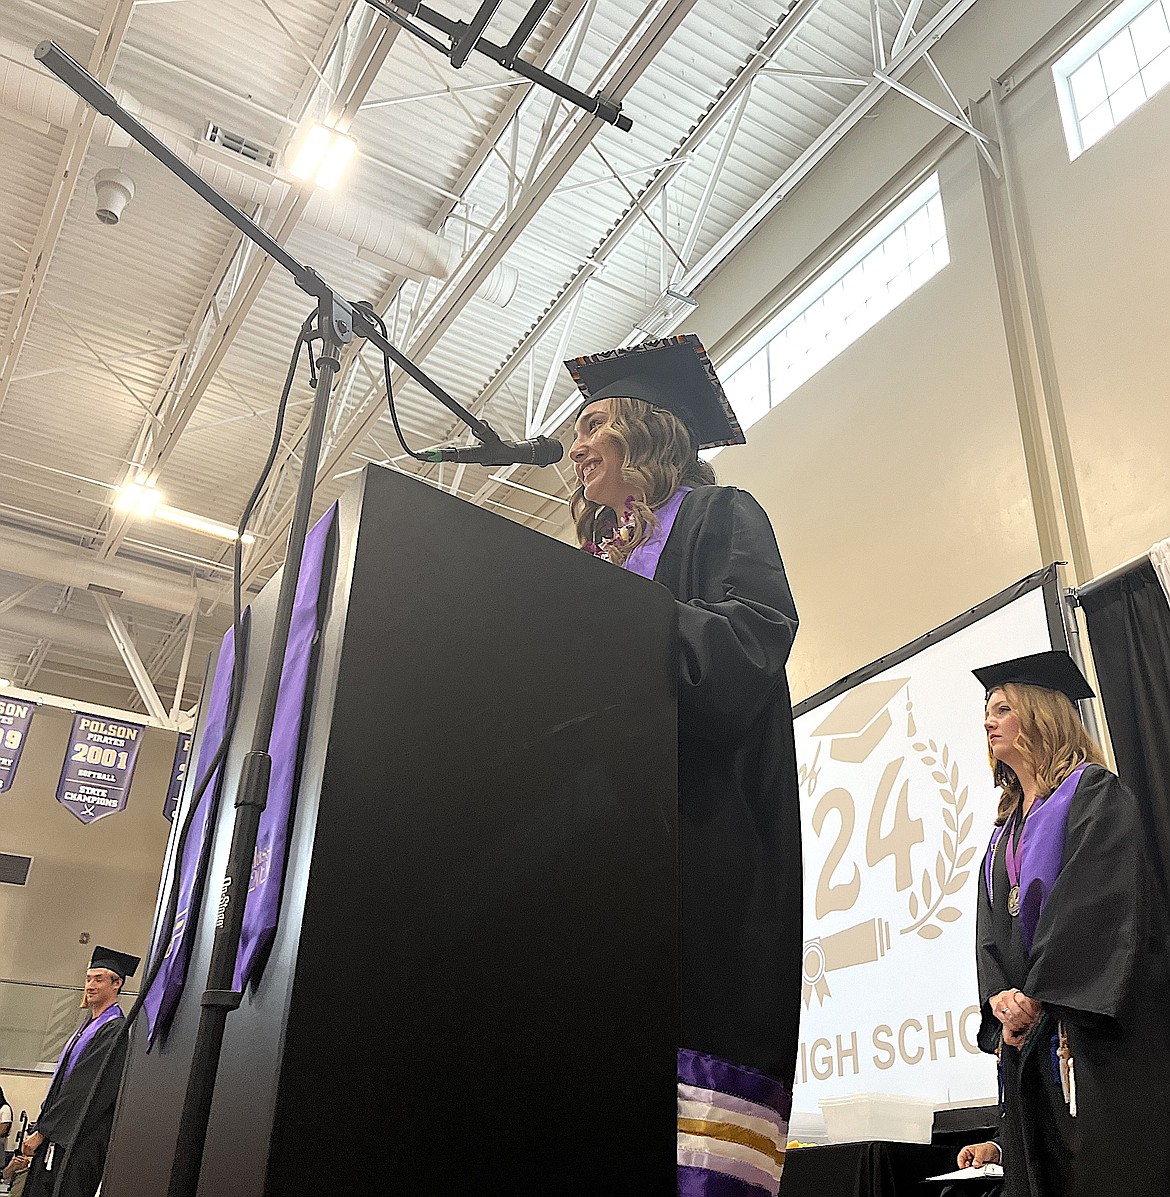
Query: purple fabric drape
point(160, 1001)
point(732, 1128)
point(262, 906)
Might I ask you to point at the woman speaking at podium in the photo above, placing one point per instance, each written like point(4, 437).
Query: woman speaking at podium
point(646, 502)
point(1072, 948)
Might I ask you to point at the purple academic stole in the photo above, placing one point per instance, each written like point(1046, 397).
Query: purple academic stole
point(164, 993)
point(1041, 853)
point(79, 1044)
point(644, 559)
point(263, 901)
point(732, 1128)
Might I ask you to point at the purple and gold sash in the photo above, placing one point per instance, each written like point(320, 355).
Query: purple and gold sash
point(732, 1128)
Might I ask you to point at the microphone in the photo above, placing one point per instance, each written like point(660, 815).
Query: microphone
point(540, 451)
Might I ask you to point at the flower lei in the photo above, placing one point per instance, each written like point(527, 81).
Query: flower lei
point(622, 534)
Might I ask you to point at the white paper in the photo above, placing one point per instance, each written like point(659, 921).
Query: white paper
point(990, 1170)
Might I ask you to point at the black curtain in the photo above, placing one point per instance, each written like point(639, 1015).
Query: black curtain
point(1129, 631)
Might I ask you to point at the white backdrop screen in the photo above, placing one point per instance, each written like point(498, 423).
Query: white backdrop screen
point(897, 806)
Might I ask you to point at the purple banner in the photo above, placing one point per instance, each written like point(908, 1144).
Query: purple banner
point(262, 904)
point(95, 779)
point(15, 717)
point(178, 775)
point(164, 993)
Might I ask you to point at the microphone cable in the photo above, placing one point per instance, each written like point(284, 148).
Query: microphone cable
point(160, 946)
point(367, 310)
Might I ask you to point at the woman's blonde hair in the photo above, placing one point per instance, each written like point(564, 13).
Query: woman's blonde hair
point(1052, 739)
point(658, 456)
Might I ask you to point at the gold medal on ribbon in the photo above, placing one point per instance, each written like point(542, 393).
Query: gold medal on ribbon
point(1014, 901)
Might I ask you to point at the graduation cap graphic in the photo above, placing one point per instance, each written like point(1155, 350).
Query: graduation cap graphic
point(858, 722)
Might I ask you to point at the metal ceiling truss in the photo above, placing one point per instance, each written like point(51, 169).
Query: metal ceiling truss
point(627, 63)
point(892, 59)
point(159, 437)
point(522, 159)
point(77, 141)
point(233, 288)
point(129, 654)
point(271, 518)
point(232, 292)
point(914, 48)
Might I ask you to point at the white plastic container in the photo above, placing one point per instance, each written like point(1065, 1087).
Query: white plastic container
point(863, 1116)
point(807, 1126)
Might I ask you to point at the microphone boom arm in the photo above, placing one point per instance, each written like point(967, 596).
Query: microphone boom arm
point(351, 316)
point(465, 37)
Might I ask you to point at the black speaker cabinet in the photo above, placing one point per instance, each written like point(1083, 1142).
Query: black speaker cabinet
point(473, 986)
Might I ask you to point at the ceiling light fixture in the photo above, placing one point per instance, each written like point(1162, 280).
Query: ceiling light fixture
point(143, 501)
point(323, 155)
point(138, 498)
point(199, 523)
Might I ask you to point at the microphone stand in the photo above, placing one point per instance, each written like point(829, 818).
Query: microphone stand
point(463, 37)
point(337, 321)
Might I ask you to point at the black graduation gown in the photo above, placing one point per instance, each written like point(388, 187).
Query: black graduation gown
point(1099, 965)
point(740, 863)
point(81, 1136)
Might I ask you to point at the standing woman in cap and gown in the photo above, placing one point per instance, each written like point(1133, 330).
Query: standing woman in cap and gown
point(1074, 981)
point(646, 502)
point(68, 1148)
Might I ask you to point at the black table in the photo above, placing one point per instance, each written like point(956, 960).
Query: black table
point(871, 1169)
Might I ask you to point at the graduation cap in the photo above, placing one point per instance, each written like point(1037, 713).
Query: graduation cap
point(674, 373)
point(1054, 670)
point(117, 962)
point(858, 722)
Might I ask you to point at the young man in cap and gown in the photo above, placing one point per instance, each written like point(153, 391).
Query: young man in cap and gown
point(1073, 953)
point(68, 1148)
point(646, 501)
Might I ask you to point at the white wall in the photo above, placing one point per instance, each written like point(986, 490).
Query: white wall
point(99, 880)
point(896, 476)
point(1098, 228)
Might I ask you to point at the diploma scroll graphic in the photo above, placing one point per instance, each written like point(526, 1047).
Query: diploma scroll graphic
point(860, 944)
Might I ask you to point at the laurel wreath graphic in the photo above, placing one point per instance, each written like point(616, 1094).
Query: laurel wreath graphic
point(928, 904)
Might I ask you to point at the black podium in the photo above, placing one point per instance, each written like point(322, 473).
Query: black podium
point(473, 985)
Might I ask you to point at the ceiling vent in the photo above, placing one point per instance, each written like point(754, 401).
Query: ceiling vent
point(244, 147)
point(14, 869)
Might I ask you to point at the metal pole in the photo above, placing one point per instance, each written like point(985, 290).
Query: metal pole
point(334, 325)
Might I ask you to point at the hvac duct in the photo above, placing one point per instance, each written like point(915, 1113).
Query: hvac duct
point(82, 569)
point(69, 633)
point(26, 89)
